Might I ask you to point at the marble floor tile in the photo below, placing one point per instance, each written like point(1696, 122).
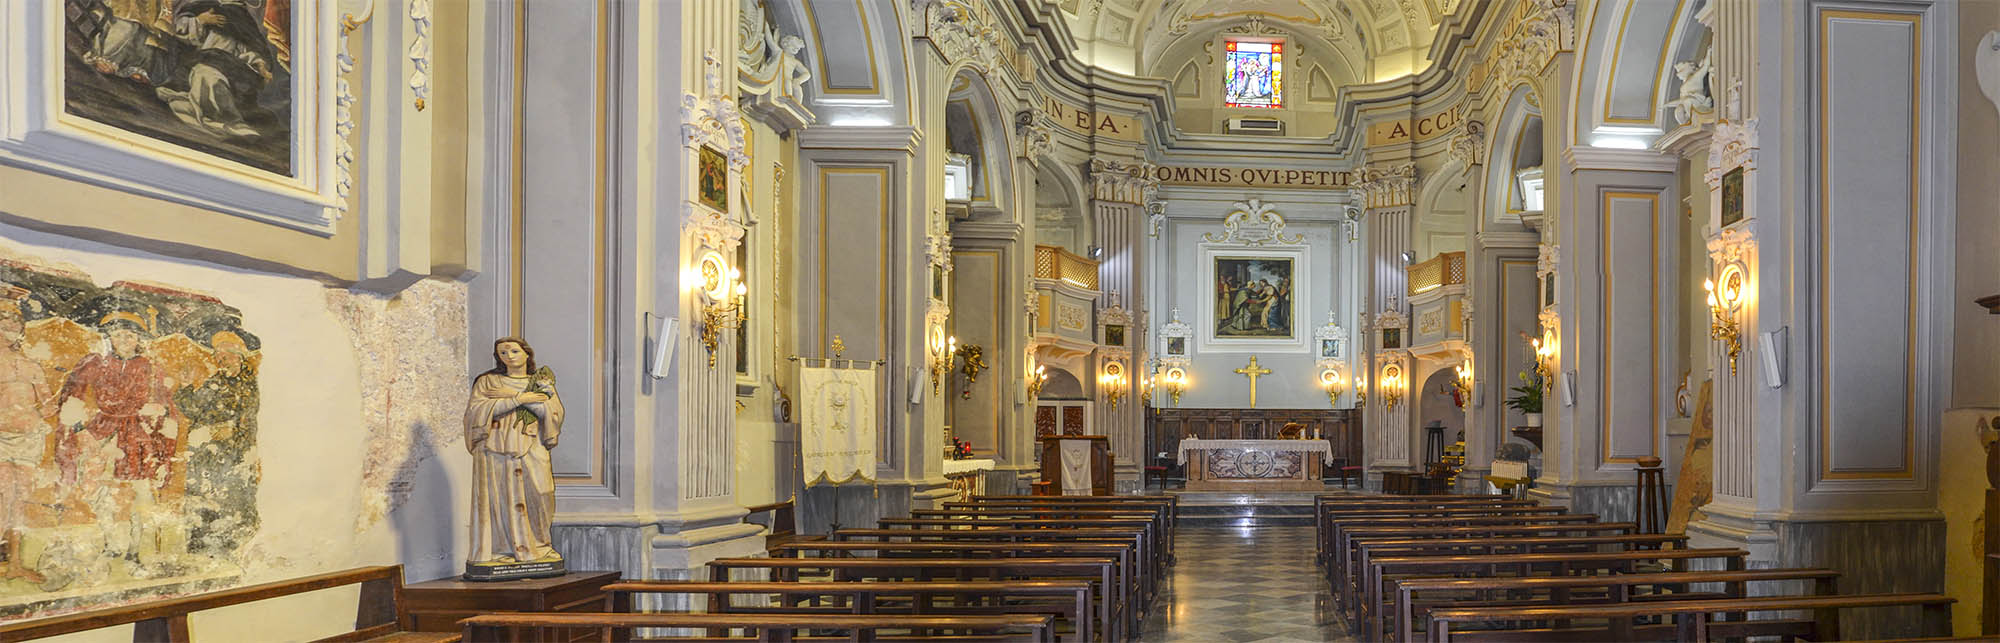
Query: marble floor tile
point(1239, 584)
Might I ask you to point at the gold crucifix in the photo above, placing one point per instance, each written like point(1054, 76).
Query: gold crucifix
point(1253, 372)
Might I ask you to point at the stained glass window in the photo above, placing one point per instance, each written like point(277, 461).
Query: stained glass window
point(1256, 74)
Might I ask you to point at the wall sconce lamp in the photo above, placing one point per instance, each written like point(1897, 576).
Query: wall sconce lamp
point(944, 354)
point(1334, 384)
point(1146, 388)
point(721, 288)
point(1392, 385)
point(1545, 354)
point(1037, 376)
point(1462, 384)
point(1113, 383)
point(1360, 392)
point(1723, 303)
point(973, 358)
point(1177, 383)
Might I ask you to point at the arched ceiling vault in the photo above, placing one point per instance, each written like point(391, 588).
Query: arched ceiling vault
point(1120, 34)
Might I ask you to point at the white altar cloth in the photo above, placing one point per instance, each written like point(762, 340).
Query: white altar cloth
point(1322, 447)
point(955, 467)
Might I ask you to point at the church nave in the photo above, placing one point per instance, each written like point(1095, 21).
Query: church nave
point(457, 319)
point(1238, 584)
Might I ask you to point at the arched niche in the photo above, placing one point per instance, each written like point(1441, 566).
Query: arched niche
point(1517, 147)
point(1435, 403)
point(1059, 208)
point(1442, 222)
point(976, 143)
point(1062, 385)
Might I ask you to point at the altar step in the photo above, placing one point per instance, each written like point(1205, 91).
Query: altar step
point(1263, 509)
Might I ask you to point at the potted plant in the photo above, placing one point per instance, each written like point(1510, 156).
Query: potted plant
point(1528, 399)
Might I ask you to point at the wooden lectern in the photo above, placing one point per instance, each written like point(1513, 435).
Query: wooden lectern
point(1052, 464)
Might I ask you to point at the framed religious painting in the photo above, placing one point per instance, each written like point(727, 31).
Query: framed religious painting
point(1329, 348)
point(1392, 338)
point(1177, 346)
point(1732, 196)
point(712, 185)
point(226, 104)
point(1254, 297)
point(1114, 335)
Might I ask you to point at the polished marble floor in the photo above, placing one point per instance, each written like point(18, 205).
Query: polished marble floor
point(1237, 584)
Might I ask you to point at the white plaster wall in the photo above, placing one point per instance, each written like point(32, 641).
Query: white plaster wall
point(1321, 285)
point(314, 430)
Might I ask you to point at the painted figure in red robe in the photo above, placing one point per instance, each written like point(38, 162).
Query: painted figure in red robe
point(118, 395)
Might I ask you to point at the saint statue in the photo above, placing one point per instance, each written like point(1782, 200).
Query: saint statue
point(511, 422)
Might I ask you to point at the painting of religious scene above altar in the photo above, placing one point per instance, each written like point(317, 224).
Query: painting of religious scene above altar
point(128, 437)
point(212, 76)
point(1253, 297)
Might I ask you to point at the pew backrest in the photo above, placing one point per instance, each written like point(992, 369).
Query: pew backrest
point(380, 611)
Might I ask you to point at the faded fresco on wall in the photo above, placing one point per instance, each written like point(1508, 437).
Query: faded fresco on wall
point(128, 439)
point(209, 75)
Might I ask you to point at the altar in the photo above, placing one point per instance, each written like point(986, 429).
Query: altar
point(1254, 465)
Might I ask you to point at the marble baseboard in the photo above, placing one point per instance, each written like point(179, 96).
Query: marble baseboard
point(1872, 556)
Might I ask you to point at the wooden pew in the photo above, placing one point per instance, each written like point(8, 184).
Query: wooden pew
point(1135, 538)
point(1346, 557)
point(1140, 526)
point(1366, 603)
point(1340, 530)
point(1163, 532)
point(1695, 620)
point(1170, 504)
point(1324, 510)
point(1163, 514)
point(379, 617)
point(767, 627)
point(968, 597)
point(1369, 549)
point(1114, 605)
point(1409, 611)
point(1131, 576)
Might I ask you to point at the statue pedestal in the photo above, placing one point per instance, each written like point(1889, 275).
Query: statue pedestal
point(490, 572)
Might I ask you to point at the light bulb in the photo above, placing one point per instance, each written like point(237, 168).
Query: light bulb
point(735, 274)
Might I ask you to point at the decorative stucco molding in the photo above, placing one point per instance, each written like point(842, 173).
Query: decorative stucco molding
point(1115, 180)
point(937, 241)
point(711, 119)
point(964, 31)
point(1733, 145)
point(1538, 31)
point(1254, 223)
point(1388, 187)
point(769, 73)
point(343, 113)
point(1468, 146)
point(1037, 137)
point(420, 52)
point(1732, 245)
point(1547, 259)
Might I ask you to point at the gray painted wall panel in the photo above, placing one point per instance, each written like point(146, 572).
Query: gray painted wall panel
point(561, 288)
point(1867, 213)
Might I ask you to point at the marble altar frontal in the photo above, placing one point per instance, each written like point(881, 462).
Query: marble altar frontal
point(1254, 465)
